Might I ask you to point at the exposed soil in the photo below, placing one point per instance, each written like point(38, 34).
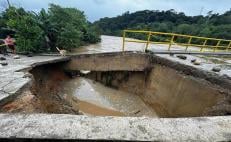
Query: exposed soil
point(42, 96)
point(47, 84)
point(169, 92)
point(25, 103)
point(162, 90)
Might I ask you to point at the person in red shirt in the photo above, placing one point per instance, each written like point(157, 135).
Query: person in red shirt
point(10, 43)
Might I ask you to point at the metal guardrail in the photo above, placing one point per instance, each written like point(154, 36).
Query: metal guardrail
point(225, 46)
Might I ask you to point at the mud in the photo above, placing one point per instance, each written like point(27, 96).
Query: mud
point(99, 96)
point(26, 103)
point(42, 96)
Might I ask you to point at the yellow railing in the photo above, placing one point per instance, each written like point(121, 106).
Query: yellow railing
point(225, 46)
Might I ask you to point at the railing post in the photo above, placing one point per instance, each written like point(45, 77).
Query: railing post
point(189, 42)
point(227, 49)
point(218, 43)
point(148, 41)
point(205, 42)
point(124, 36)
point(170, 44)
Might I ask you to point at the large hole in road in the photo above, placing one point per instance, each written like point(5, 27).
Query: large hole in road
point(156, 92)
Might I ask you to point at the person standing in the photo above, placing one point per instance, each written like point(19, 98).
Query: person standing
point(10, 43)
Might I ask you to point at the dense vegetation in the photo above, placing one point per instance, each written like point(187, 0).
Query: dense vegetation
point(66, 28)
point(212, 25)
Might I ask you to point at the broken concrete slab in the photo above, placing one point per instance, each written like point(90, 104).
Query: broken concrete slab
point(3, 95)
point(181, 57)
point(4, 63)
point(197, 63)
point(2, 58)
point(16, 57)
point(193, 60)
point(216, 69)
point(15, 85)
point(114, 61)
point(12, 80)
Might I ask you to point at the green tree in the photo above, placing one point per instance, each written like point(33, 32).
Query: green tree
point(184, 29)
point(69, 37)
point(211, 25)
point(29, 35)
point(66, 28)
point(70, 28)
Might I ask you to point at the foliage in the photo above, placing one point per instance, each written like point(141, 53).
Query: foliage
point(212, 25)
point(66, 28)
point(28, 33)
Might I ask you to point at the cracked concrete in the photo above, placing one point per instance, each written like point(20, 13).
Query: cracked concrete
point(12, 77)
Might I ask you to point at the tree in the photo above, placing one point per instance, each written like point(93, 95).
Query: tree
point(212, 25)
point(66, 28)
point(70, 28)
point(29, 35)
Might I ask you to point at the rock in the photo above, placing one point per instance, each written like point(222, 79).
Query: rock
point(4, 63)
point(193, 60)
point(28, 75)
point(84, 72)
point(182, 57)
point(2, 58)
point(29, 55)
point(216, 69)
point(137, 112)
point(196, 62)
point(16, 57)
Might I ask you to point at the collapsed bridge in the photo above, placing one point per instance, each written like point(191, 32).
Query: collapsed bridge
point(113, 96)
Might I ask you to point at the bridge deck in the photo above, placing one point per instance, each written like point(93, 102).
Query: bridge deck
point(188, 52)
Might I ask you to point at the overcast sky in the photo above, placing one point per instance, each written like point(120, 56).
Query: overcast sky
point(95, 9)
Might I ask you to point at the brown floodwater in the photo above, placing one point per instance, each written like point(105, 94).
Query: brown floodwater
point(96, 99)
